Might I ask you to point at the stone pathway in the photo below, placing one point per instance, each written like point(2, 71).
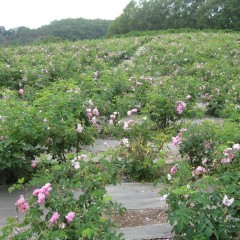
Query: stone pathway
point(137, 196)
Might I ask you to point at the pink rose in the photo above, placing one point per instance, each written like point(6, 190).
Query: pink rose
point(20, 91)
point(70, 216)
point(41, 198)
point(176, 140)
point(34, 163)
point(79, 128)
point(95, 112)
point(129, 113)
point(173, 170)
point(22, 205)
point(54, 217)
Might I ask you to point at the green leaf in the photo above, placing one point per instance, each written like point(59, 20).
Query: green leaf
point(87, 233)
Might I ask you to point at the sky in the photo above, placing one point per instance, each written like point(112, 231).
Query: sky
point(35, 13)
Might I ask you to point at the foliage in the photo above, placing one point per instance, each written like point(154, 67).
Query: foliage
point(149, 73)
point(90, 205)
point(198, 144)
point(203, 196)
point(174, 14)
point(75, 187)
point(140, 159)
point(65, 29)
point(49, 126)
point(199, 141)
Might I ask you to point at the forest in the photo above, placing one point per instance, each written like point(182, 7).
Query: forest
point(56, 31)
point(142, 15)
point(165, 14)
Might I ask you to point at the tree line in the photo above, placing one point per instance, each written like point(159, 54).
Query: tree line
point(66, 29)
point(165, 14)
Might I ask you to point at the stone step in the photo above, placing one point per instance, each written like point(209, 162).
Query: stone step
point(147, 232)
point(136, 195)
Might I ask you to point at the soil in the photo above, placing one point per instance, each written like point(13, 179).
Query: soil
point(133, 218)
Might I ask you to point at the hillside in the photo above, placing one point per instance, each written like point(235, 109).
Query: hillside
point(169, 102)
point(186, 61)
point(65, 29)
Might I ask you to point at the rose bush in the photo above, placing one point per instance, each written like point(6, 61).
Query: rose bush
point(71, 203)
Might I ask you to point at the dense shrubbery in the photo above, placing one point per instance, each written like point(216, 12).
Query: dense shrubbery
point(57, 210)
point(203, 194)
point(56, 98)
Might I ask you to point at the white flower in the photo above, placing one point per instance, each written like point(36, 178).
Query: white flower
point(236, 146)
point(125, 142)
point(90, 103)
point(62, 225)
point(227, 202)
point(129, 113)
point(79, 128)
point(125, 127)
point(164, 197)
point(169, 177)
point(76, 165)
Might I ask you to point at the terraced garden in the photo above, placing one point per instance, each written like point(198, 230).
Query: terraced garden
point(171, 102)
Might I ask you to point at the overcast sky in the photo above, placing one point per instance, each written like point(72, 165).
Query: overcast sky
point(35, 13)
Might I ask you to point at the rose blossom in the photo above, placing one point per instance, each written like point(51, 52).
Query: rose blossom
point(54, 217)
point(236, 146)
point(227, 202)
point(176, 140)
point(22, 205)
point(180, 107)
point(20, 91)
point(173, 170)
point(34, 163)
point(129, 113)
point(70, 216)
point(113, 117)
point(163, 197)
point(79, 128)
point(41, 198)
point(198, 171)
point(95, 112)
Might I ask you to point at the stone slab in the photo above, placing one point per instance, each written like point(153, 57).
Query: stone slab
point(102, 145)
point(136, 195)
point(147, 232)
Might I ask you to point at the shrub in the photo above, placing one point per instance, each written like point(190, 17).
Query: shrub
point(198, 144)
point(71, 203)
point(140, 159)
point(203, 203)
point(48, 125)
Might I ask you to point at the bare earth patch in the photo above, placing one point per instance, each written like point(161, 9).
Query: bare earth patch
point(133, 218)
